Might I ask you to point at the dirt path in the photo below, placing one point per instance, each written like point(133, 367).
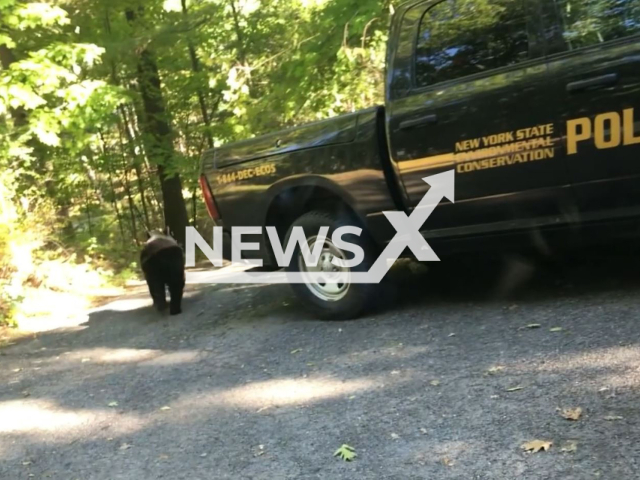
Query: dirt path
point(246, 385)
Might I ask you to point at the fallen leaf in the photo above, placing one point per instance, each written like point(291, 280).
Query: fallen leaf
point(613, 418)
point(494, 370)
point(515, 389)
point(534, 446)
point(113, 404)
point(297, 350)
point(572, 413)
point(447, 462)
point(435, 383)
point(165, 408)
point(125, 446)
point(569, 447)
point(346, 453)
point(556, 329)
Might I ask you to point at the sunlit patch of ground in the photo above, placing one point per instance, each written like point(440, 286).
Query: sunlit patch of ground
point(281, 392)
point(37, 417)
point(47, 310)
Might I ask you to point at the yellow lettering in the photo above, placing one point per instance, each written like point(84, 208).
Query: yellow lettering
point(629, 128)
point(614, 130)
point(574, 136)
point(467, 145)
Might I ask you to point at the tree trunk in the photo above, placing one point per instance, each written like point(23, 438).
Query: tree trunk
point(158, 141)
point(195, 66)
point(239, 35)
point(114, 202)
point(124, 126)
point(133, 115)
point(113, 196)
point(127, 190)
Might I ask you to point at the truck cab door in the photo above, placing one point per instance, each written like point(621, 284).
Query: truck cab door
point(467, 90)
point(594, 62)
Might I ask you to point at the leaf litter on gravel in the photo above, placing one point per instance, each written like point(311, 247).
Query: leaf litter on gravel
point(447, 462)
point(346, 453)
point(531, 326)
point(535, 446)
point(515, 389)
point(572, 414)
point(613, 418)
point(494, 370)
point(569, 447)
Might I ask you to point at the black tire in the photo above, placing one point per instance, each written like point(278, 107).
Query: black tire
point(358, 297)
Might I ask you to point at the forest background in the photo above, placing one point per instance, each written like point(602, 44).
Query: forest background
point(107, 106)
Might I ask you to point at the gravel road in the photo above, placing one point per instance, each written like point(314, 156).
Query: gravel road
point(448, 379)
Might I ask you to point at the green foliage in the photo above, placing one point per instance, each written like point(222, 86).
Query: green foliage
point(79, 173)
point(346, 453)
point(10, 297)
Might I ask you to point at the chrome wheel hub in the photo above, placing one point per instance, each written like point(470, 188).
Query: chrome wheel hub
point(329, 282)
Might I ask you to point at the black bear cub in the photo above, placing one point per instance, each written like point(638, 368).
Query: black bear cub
point(162, 262)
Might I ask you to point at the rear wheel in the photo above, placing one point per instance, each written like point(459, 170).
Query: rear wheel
point(331, 300)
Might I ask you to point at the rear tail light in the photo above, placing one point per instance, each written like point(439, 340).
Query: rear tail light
point(208, 198)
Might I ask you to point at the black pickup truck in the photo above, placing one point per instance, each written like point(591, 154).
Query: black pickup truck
point(530, 101)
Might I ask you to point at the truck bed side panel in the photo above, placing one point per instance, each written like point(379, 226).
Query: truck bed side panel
point(352, 171)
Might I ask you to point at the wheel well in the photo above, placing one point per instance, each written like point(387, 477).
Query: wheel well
point(292, 203)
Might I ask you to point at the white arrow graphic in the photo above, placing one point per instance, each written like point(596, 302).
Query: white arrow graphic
point(408, 227)
point(408, 236)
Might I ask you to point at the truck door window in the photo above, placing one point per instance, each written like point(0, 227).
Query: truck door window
point(458, 38)
point(583, 23)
